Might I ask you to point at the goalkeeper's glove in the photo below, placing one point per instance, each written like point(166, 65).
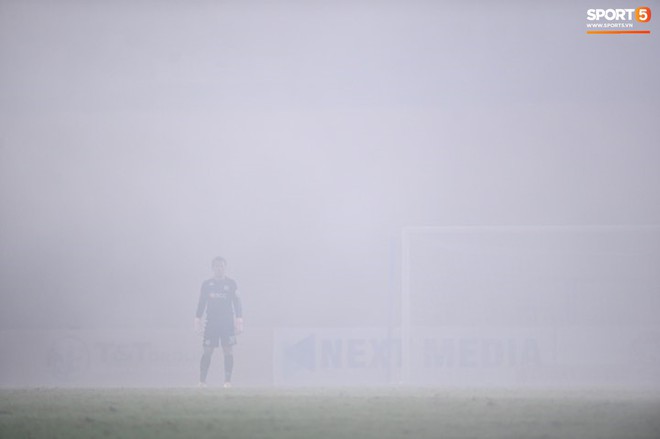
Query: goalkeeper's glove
point(238, 325)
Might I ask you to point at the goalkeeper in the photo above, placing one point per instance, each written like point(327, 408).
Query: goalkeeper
point(224, 319)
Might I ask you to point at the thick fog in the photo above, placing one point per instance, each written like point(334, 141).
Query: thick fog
point(300, 140)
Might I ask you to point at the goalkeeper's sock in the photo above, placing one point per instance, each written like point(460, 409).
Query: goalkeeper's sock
point(229, 367)
point(204, 365)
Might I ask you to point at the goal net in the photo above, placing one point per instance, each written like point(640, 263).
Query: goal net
point(505, 305)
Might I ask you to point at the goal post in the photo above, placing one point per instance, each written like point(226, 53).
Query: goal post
point(484, 279)
point(405, 306)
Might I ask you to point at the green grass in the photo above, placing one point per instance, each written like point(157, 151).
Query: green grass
point(327, 413)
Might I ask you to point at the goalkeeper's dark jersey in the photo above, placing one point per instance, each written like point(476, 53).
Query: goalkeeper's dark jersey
point(219, 298)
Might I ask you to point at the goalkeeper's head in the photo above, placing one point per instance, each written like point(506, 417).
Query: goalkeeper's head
point(219, 266)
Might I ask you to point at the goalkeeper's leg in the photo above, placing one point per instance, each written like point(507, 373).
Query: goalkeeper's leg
point(205, 363)
point(229, 363)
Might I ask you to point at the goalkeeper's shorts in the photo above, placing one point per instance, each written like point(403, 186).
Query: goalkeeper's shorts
point(216, 334)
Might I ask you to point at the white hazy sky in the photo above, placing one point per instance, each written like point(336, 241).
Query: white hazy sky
point(140, 139)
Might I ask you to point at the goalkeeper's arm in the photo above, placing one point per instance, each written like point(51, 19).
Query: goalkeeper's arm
point(201, 306)
point(238, 313)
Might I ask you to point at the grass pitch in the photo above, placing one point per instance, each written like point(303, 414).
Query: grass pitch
point(327, 413)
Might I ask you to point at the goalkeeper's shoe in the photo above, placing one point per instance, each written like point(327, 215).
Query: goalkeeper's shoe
point(202, 385)
point(227, 385)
